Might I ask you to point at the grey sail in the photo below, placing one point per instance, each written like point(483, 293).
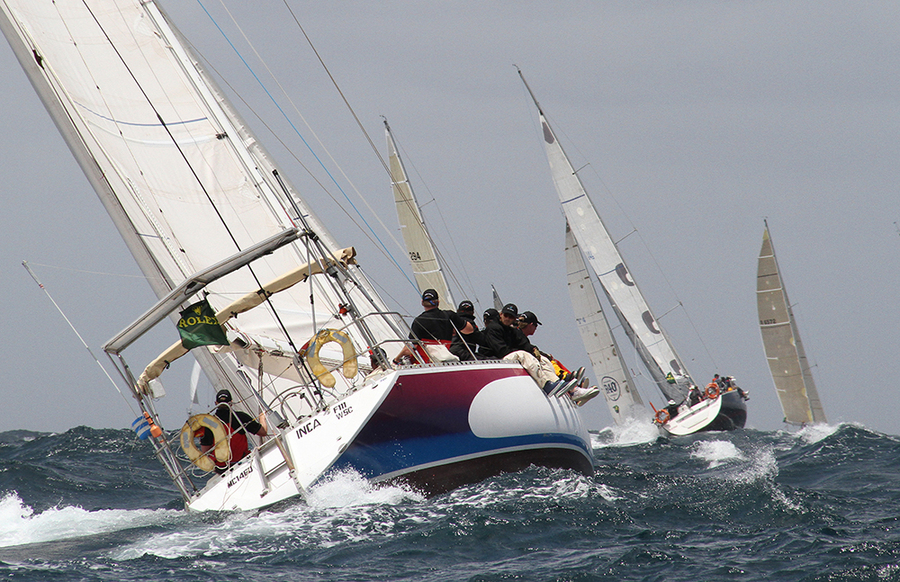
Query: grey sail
point(423, 257)
point(781, 339)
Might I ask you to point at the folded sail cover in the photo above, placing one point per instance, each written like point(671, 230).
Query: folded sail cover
point(247, 302)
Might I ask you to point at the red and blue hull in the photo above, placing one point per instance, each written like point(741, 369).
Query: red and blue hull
point(444, 426)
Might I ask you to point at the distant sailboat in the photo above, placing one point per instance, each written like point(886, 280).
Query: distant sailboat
point(423, 257)
point(612, 375)
point(724, 408)
point(781, 340)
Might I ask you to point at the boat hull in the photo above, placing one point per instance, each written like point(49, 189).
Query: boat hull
point(433, 427)
point(442, 427)
point(726, 412)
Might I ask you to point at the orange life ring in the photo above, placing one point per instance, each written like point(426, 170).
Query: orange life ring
point(662, 416)
point(712, 390)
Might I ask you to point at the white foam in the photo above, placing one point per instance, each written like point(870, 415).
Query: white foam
point(716, 452)
point(20, 525)
point(343, 508)
point(813, 433)
point(633, 431)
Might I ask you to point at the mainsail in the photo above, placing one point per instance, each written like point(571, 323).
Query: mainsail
point(664, 365)
point(185, 181)
point(611, 372)
point(422, 255)
point(781, 340)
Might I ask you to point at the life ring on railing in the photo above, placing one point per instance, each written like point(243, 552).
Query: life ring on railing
point(222, 448)
point(662, 416)
point(712, 390)
point(350, 366)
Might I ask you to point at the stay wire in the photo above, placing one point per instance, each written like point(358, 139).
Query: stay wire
point(72, 326)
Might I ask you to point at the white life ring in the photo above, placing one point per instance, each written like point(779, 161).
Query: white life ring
point(222, 447)
point(350, 366)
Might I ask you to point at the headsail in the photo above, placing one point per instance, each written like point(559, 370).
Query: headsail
point(781, 340)
point(650, 340)
point(184, 180)
point(606, 359)
point(422, 255)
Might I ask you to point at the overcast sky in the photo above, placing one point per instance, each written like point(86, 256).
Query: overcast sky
point(693, 121)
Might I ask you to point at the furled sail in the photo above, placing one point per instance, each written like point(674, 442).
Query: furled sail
point(781, 340)
point(422, 255)
point(184, 179)
point(612, 375)
point(607, 263)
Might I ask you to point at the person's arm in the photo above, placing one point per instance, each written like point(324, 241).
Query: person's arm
point(263, 425)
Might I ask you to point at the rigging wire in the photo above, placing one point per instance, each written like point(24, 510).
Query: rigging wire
point(72, 326)
point(297, 131)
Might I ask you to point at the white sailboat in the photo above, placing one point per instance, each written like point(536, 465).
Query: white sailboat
point(423, 257)
point(305, 339)
point(723, 411)
point(612, 374)
point(781, 340)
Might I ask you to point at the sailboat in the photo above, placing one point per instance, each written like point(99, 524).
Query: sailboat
point(613, 377)
point(722, 406)
point(290, 324)
point(781, 339)
point(423, 257)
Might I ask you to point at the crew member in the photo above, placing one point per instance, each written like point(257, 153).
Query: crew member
point(237, 424)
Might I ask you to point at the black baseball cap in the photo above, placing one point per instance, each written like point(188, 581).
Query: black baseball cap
point(529, 317)
point(223, 396)
point(429, 295)
point(466, 306)
point(510, 309)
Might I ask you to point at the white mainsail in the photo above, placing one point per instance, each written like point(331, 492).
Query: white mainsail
point(612, 375)
point(649, 339)
point(183, 178)
point(781, 340)
point(422, 255)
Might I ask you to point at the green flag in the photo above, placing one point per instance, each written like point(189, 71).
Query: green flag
point(198, 326)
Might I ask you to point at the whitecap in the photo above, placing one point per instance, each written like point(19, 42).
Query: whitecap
point(633, 431)
point(19, 524)
point(716, 452)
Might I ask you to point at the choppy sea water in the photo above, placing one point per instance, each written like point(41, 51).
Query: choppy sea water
point(818, 504)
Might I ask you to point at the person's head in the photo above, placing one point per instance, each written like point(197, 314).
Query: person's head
point(430, 299)
point(490, 314)
point(223, 397)
point(466, 308)
point(528, 322)
point(509, 314)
